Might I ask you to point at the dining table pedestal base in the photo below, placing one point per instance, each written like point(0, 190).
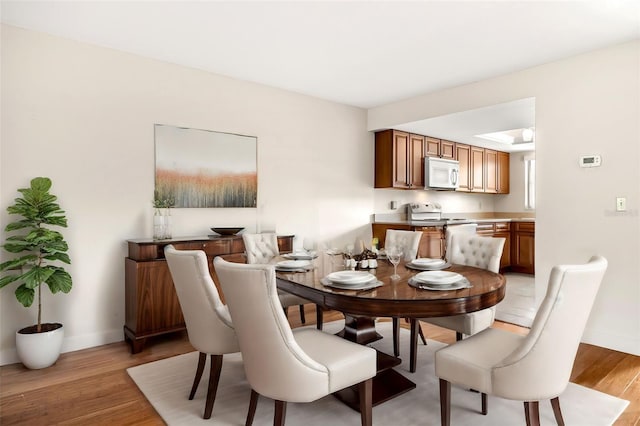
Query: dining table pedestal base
point(360, 330)
point(387, 384)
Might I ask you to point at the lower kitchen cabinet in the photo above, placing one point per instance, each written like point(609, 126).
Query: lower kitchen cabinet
point(523, 247)
point(151, 303)
point(519, 245)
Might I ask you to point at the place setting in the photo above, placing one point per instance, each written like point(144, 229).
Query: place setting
point(294, 266)
point(351, 280)
point(427, 264)
point(301, 255)
point(439, 280)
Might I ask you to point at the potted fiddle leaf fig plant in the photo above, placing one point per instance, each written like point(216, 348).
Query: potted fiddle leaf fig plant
point(39, 251)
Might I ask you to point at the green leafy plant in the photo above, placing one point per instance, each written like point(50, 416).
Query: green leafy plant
point(37, 245)
point(163, 201)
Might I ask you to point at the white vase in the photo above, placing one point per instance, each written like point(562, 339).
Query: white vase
point(39, 350)
point(162, 224)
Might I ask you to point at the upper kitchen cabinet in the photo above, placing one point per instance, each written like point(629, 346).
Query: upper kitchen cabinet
point(503, 172)
point(490, 171)
point(463, 155)
point(477, 169)
point(399, 160)
point(447, 150)
point(432, 146)
point(439, 148)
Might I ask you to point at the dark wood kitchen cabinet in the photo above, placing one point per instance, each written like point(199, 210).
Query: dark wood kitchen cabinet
point(491, 171)
point(503, 172)
point(523, 247)
point(399, 161)
point(463, 155)
point(151, 304)
point(476, 169)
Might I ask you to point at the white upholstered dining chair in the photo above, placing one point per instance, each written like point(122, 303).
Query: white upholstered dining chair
point(261, 249)
point(407, 241)
point(300, 365)
point(527, 368)
point(207, 319)
point(471, 250)
point(465, 228)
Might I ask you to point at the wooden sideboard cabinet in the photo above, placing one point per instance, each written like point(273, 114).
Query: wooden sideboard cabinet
point(151, 303)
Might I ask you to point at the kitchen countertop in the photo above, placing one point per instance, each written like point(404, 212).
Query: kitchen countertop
point(449, 222)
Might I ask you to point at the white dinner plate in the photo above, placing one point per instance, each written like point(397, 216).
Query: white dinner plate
point(438, 277)
point(365, 286)
point(444, 265)
point(351, 277)
point(464, 283)
point(301, 255)
point(293, 264)
point(425, 261)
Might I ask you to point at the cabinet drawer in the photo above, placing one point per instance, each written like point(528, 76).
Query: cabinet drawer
point(214, 248)
point(486, 228)
point(525, 226)
point(503, 226)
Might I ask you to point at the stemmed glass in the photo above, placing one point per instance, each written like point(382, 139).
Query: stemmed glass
point(394, 254)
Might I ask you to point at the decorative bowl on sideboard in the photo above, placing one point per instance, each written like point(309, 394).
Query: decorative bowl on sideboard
point(226, 231)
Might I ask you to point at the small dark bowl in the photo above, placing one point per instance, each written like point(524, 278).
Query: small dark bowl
point(226, 231)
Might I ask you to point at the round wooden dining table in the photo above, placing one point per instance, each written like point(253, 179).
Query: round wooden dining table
point(394, 298)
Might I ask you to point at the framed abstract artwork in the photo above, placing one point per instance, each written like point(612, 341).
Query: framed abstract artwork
point(202, 168)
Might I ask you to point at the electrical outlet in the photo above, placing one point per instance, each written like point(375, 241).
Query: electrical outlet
point(621, 204)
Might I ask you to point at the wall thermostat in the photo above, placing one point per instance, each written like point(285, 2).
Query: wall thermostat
point(590, 161)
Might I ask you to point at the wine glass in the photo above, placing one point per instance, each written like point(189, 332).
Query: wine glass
point(394, 254)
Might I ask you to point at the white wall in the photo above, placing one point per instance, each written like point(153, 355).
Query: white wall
point(84, 116)
point(514, 200)
point(588, 104)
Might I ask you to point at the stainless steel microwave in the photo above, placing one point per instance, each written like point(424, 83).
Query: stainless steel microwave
point(441, 173)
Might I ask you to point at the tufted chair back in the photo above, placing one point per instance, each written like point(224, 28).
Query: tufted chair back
point(260, 248)
point(409, 241)
point(480, 252)
point(466, 228)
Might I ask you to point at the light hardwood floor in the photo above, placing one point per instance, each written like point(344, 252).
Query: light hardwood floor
point(92, 387)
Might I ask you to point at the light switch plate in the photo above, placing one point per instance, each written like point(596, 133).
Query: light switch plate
point(621, 204)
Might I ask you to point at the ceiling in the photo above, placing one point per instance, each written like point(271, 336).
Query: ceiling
point(359, 53)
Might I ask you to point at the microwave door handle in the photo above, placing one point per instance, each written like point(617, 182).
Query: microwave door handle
point(454, 176)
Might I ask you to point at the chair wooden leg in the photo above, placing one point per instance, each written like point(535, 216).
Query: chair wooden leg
point(424, 341)
point(485, 409)
point(531, 413)
point(202, 359)
point(413, 345)
point(281, 413)
point(366, 397)
point(214, 379)
point(319, 317)
point(253, 403)
point(555, 403)
point(302, 318)
point(396, 337)
point(445, 403)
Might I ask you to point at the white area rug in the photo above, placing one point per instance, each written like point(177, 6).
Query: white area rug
point(167, 383)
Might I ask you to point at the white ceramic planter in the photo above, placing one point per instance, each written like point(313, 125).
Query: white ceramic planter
point(39, 350)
